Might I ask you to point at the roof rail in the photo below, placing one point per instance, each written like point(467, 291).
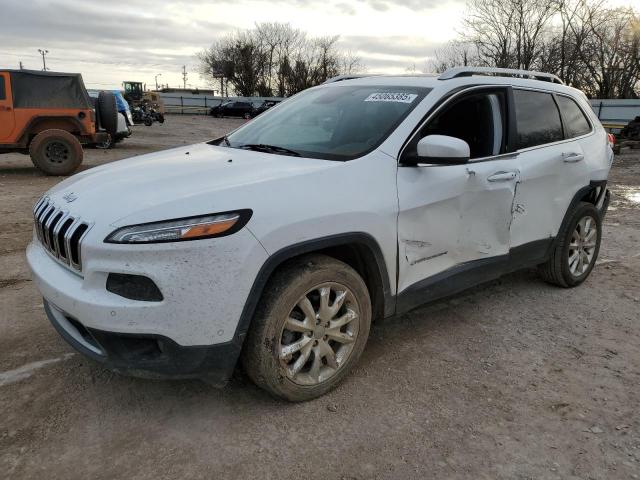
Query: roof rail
point(341, 78)
point(499, 72)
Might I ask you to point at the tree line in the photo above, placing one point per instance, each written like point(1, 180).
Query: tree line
point(274, 59)
point(586, 43)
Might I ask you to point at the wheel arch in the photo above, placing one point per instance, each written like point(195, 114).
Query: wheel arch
point(39, 124)
point(595, 193)
point(359, 250)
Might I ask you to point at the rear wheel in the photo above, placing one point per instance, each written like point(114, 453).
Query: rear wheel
point(56, 152)
point(576, 250)
point(310, 328)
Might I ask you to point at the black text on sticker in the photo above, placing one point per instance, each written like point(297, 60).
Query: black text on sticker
point(391, 97)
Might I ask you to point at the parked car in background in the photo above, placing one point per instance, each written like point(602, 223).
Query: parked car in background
point(264, 106)
point(49, 116)
point(357, 200)
point(233, 109)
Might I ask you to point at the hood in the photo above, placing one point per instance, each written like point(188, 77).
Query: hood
point(181, 182)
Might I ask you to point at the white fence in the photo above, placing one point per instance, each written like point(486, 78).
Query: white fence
point(616, 111)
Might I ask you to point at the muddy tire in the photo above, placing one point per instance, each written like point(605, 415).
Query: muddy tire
point(108, 112)
point(309, 330)
point(576, 251)
point(56, 152)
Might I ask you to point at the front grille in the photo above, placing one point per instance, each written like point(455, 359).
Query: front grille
point(59, 232)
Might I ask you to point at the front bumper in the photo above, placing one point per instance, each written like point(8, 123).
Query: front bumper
point(147, 356)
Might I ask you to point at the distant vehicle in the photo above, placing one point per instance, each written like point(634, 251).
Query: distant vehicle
point(233, 109)
point(125, 119)
point(266, 105)
point(49, 115)
point(136, 96)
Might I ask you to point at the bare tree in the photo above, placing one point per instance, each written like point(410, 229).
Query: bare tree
point(274, 58)
point(586, 43)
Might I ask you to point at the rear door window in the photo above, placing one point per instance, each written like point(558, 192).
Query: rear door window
point(3, 91)
point(575, 122)
point(537, 117)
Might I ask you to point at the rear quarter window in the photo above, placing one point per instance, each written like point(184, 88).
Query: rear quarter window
point(537, 117)
point(575, 121)
point(3, 90)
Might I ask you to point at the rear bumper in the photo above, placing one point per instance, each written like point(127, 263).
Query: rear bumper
point(147, 356)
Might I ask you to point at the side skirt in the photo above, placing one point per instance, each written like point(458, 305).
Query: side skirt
point(470, 274)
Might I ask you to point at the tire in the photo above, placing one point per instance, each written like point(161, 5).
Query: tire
point(563, 268)
point(148, 121)
point(56, 152)
point(161, 118)
point(108, 112)
point(108, 143)
point(266, 358)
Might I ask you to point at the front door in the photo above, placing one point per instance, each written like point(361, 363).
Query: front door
point(7, 121)
point(457, 217)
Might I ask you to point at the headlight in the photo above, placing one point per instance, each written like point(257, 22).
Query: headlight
point(183, 229)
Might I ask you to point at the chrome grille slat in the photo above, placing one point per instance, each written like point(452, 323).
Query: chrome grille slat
point(56, 234)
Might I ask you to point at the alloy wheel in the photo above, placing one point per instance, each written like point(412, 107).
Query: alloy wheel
point(583, 246)
point(319, 334)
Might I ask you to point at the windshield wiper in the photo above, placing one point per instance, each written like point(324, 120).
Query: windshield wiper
point(261, 147)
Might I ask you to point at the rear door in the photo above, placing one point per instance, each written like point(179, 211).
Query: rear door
point(7, 120)
point(552, 170)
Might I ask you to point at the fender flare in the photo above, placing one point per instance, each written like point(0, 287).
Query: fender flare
point(577, 198)
point(310, 246)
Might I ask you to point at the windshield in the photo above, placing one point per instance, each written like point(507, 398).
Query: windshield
point(333, 123)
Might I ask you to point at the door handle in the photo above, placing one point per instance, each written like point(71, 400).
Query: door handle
point(502, 176)
point(572, 157)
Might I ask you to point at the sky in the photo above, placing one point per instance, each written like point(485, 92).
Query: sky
point(110, 41)
point(116, 40)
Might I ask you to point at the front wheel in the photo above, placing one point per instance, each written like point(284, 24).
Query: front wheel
point(310, 328)
point(576, 249)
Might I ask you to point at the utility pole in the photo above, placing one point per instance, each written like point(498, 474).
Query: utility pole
point(44, 61)
point(184, 76)
point(158, 75)
point(21, 67)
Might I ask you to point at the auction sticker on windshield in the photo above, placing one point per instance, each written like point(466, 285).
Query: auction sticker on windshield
point(391, 97)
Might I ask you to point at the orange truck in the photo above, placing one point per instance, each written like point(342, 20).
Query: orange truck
point(49, 116)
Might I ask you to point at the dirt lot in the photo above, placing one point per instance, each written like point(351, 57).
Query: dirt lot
point(514, 379)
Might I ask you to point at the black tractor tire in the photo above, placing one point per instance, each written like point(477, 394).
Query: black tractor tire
point(148, 121)
point(557, 270)
point(108, 112)
point(56, 152)
point(260, 358)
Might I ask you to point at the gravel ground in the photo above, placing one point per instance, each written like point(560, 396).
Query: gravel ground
point(513, 379)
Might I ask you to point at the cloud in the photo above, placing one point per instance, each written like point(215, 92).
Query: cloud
point(136, 39)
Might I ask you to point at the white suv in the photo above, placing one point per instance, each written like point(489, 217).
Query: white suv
point(352, 201)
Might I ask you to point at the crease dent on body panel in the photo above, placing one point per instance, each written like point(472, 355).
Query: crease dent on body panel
point(515, 208)
point(417, 251)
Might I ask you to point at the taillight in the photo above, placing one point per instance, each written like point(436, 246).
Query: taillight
point(612, 139)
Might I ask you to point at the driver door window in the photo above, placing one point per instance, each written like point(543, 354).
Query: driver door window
point(478, 118)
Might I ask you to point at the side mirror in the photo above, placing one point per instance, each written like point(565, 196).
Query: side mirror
point(443, 150)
